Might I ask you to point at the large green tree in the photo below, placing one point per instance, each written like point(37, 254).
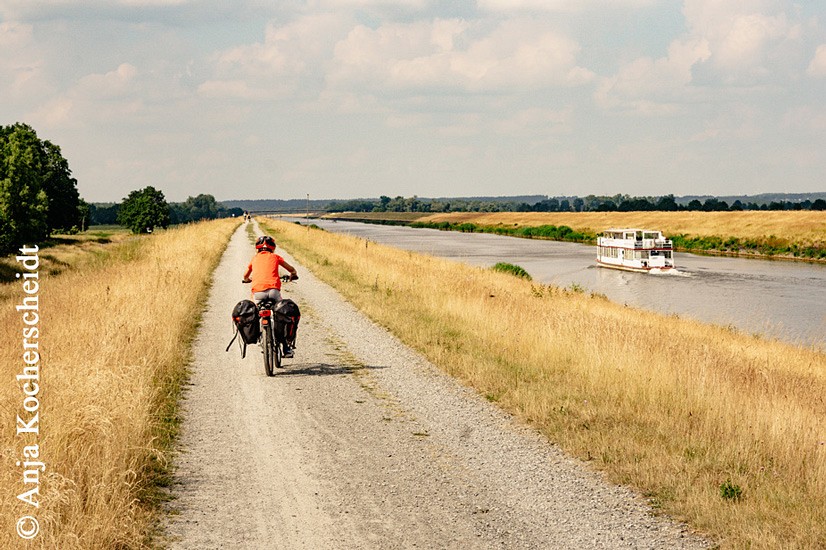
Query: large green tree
point(38, 194)
point(144, 210)
point(23, 200)
point(202, 207)
point(65, 210)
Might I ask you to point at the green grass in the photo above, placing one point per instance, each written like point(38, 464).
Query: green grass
point(62, 252)
point(767, 246)
point(516, 270)
point(548, 232)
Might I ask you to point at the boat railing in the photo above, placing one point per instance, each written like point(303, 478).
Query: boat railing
point(653, 243)
point(642, 244)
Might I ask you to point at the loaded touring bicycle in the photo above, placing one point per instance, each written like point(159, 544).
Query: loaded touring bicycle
point(270, 324)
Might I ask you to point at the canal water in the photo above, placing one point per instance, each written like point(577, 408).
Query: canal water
point(781, 299)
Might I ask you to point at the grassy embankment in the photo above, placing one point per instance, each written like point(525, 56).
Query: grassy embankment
point(115, 330)
point(724, 430)
point(62, 252)
point(787, 234)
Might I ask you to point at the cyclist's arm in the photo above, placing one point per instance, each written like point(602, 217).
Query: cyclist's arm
point(289, 268)
point(247, 273)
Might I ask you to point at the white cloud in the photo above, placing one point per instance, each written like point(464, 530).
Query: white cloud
point(750, 40)
point(55, 112)
point(488, 91)
point(36, 9)
point(522, 53)
point(817, 67)
point(749, 37)
point(113, 84)
point(565, 6)
point(21, 64)
point(275, 66)
point(653, 86)
point(749, 44)
point(406, 4)
point(116, 95)
point(450, 54)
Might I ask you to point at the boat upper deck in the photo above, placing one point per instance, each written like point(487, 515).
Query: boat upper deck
point(635, 238)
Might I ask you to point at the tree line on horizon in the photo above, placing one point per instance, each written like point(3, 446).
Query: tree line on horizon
point(590, 203)
point(39, 196)
point(147, 208)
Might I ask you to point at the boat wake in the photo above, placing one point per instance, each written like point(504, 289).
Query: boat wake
point(673, 272)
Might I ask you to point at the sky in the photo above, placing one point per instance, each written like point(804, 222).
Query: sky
point(255, 99)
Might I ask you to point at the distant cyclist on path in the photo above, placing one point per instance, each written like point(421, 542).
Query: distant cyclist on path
point(266, 283)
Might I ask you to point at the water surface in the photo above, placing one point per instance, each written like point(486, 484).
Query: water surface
point(775, 298)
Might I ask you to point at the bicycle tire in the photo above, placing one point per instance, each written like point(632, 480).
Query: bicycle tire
point(276, 353)
point(268, 351)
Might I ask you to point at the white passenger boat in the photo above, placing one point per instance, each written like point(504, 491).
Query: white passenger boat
point(635, 250)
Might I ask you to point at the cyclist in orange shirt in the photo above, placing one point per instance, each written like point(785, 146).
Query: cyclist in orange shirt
point(266, 283)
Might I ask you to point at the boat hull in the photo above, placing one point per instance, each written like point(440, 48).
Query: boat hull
point(634, 269)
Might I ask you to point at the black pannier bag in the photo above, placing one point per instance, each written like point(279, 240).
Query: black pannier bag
point(287, 316)
point(245, 319)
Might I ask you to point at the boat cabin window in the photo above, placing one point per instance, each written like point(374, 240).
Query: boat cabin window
point(651, 236)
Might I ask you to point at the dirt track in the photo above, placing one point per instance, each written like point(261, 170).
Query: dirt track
point(360, 443)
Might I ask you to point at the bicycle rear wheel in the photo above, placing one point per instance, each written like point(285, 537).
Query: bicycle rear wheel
point(276, 351)
point(269, 351)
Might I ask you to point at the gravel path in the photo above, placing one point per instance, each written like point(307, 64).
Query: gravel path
point(361, 443)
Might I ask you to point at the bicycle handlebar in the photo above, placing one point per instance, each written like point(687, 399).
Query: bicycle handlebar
point(284, 278)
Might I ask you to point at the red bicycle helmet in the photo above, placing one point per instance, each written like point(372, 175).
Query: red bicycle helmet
point(265, 242)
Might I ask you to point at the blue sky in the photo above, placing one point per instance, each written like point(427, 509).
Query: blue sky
point(361, 98)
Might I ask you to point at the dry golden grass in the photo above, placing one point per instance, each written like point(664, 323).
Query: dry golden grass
point(114, 343)
point(804, 227)
point(63, 252)
point(672, 407)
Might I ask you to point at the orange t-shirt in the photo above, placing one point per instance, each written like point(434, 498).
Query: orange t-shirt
point(264, 274)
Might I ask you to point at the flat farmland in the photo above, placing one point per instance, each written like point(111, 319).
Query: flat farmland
point(805, 227)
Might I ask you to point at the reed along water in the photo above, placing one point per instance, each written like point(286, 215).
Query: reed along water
point(775, 298)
